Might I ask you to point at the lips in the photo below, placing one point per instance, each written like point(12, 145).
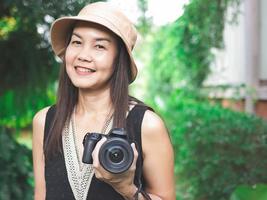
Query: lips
point(84, 70)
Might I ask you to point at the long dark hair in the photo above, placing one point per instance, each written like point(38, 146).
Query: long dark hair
point(67, 98)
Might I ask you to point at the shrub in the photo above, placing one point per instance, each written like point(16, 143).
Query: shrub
point(16, 168)
point(215, 149)
point(245, 192)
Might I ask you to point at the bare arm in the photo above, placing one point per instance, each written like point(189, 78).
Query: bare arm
point(158, 163)
point(38, 156)
point(158, 153)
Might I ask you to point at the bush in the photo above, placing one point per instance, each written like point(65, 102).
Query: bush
point(245, 192)
point(16, 168)
point(216, 149)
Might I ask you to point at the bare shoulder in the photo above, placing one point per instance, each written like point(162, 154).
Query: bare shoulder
point(38, 124)
point(39, 117)
point(154, 132)
point(153, 124)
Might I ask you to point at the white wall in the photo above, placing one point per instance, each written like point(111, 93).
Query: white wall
point(229, 64)
point(263, 56)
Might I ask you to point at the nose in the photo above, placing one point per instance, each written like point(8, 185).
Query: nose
point(85, 55)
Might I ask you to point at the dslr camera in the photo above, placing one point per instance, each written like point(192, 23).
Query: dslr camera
point(115, 155)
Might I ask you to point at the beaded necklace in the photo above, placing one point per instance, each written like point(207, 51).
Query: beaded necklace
point(79, 174)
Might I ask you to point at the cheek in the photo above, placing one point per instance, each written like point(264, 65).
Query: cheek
point(111, 58)
point(69, 59)
point(69, 56)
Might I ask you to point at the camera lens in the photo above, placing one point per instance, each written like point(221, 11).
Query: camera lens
point(116, 155)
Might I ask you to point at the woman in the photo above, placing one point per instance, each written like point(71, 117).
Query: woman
point(98, 67)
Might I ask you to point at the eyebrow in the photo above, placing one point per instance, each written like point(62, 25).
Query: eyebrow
point(96, 39)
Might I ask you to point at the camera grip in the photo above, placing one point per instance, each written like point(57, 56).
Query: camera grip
point(89, 143)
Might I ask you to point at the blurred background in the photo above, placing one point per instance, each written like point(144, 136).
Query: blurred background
point(202, 66)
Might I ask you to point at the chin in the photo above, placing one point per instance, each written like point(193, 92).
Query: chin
point(84, 86)
point(90, 84)
point(87, 86)
point(81, 84)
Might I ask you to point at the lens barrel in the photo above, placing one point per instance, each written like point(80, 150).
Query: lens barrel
point(116, 155)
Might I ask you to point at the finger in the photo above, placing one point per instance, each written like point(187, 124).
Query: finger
point(96, 152)
point(98, 175)
point(134, 150)
point(133, 166)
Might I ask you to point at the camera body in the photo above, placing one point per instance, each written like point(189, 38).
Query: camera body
point(115, 155)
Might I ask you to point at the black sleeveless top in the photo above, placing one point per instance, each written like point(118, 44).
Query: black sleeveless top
point(57, 184)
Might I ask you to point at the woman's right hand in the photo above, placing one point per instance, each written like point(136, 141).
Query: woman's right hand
point(123, 183)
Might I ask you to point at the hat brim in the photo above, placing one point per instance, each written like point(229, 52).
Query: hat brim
point(61, 28)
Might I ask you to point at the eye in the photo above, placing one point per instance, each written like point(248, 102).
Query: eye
point(76, 42)
point(100, 47)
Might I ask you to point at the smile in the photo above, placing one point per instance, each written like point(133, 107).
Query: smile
point(84, 70)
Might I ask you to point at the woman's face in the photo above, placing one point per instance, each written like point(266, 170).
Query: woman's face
point(90, 56)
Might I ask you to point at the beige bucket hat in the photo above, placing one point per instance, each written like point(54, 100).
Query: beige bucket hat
point(102, 13)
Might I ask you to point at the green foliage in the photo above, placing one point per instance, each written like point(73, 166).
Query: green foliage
point(17, 112)
point(28, 67)
point(144, 23)
point(16, 168)
point(181, 51)
point(202, 26)
point(245, 192)
point(7, 25)
point(216, 149)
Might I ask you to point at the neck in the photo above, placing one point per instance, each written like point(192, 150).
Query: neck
point(94, 102)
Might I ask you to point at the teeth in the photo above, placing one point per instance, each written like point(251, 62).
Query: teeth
point(85, 69)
